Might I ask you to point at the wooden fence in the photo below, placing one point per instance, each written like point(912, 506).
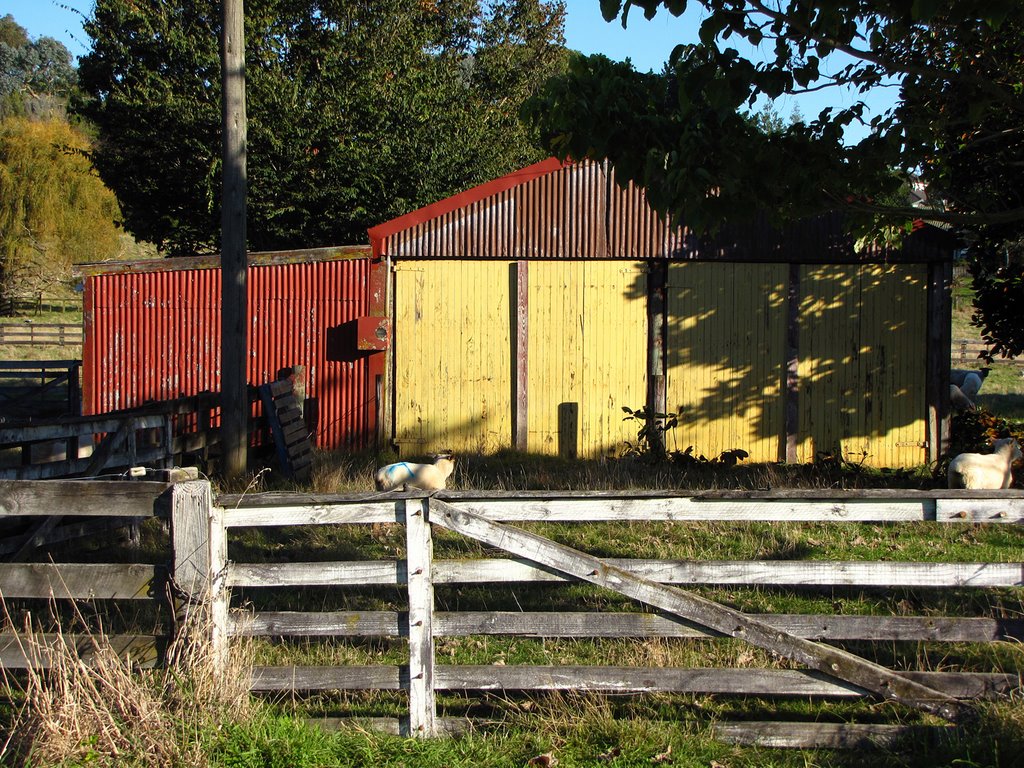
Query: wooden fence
point(41, 334)
point(202, 531)
point(965, 354)
point(39, 388)
point(160, 435)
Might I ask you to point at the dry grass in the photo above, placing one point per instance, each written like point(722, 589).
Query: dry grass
point(109, 712)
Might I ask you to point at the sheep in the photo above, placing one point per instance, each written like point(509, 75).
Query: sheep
point(959, 400)
point(987, 471)
point(971, 385)
point(426, 477)
point(958, 375)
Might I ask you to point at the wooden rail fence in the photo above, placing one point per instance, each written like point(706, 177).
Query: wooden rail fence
point(966, 352)
point(158, 435)
point(201, 534)
point(39, 388)
point(41, 334)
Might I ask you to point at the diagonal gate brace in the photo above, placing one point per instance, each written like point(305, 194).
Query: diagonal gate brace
point(831, 661)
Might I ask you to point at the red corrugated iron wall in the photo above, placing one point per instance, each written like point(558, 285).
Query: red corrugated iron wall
point(155, 335)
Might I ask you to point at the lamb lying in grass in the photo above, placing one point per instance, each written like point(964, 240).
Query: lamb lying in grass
point(988, 471)
point(426, 477)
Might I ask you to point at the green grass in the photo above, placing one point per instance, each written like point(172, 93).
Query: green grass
point(1003, 390)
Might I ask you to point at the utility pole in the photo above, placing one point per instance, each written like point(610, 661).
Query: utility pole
point(234, 336)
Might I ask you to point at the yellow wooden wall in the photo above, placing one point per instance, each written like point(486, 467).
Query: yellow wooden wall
point(862, 363)
point(452, 352)
point(725, 361)
point(862, 358)
point(587, 355)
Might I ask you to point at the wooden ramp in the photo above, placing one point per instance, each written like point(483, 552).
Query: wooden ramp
point(291, 435)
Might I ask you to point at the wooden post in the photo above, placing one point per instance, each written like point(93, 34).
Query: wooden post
point(791, 396)
point(657, 344)
point(200, 559)
point(419, 555)
point(939, 333)
point(520, 353)
point(234, 337)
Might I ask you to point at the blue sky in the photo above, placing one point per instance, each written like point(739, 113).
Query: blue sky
point(646, 43)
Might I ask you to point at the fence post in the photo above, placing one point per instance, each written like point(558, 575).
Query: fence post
point(419, 552)
point(200, 559)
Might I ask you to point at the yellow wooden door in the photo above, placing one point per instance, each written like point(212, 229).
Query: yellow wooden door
point(587, 355)
point(725, 360)
point(452, 353)
point(862, 363)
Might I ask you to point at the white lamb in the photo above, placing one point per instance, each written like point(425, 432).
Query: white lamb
point(971, 385)
point(426, 477)
point(987, 471)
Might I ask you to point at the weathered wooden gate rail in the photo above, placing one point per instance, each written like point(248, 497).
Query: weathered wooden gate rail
point(201, 526)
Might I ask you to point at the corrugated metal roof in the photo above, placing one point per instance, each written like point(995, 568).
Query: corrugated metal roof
point(578, 210)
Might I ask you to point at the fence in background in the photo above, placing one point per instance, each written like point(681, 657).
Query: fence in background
point(41, 334)
point(201, 528)
point(40, 389)
point(965, 354)
point(160, 435)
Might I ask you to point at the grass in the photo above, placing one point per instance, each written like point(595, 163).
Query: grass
point(1003, 390)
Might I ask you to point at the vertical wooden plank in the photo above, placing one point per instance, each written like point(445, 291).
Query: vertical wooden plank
point(220, 595)
point(657, 325)
point(939, 339)
point(792, 396)
point(419, 556)
point(191, 509)
point(520, 352)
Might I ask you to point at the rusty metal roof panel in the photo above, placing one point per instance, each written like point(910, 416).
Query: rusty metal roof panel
point(554, 210)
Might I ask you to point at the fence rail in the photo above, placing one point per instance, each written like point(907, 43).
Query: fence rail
point(966, 353)
point(202, 526)
point(40, 388)
point(41, 334)
point(159, 435)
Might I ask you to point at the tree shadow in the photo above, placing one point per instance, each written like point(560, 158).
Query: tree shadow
point(858, 366)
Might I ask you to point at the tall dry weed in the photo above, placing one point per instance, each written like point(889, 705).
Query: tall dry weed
point(86, 704)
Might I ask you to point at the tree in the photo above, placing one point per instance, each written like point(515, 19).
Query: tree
point(357, 111)
point(959, 76)
point(35, 76)
point(957, 120)
point(54, 210)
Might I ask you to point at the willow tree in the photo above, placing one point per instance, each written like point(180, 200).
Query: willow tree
point(54, 210)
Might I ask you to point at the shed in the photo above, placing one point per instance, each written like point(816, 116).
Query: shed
point(528, 311)
point(152, 333)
